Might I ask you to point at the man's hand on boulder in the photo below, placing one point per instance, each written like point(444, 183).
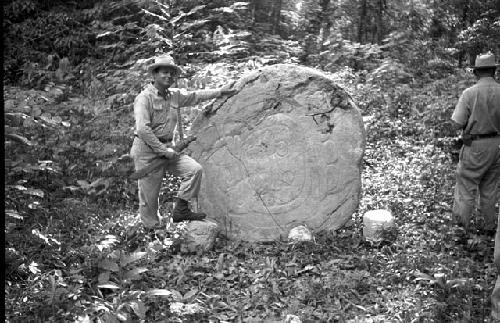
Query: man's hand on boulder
point(228, 89)
point(171, 153)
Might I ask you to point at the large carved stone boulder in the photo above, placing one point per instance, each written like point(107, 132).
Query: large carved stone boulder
point(284, 151)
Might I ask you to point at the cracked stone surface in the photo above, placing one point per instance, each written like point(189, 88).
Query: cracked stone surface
point(285, 150)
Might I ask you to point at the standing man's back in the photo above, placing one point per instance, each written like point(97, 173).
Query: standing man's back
point(478, 108)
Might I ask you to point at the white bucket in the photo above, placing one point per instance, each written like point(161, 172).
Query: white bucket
point(374, 222)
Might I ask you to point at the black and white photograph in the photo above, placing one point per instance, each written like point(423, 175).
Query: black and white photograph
point(280, 161)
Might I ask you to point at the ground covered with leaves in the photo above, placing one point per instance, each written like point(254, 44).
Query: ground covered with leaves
point(76, 252)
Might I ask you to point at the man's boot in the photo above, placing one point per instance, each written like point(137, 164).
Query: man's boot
point(182, 212)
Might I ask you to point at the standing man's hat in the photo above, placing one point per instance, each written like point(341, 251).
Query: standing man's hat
point(485, 61)
point(164, 61)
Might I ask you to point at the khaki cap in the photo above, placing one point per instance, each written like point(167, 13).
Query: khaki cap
point(485, 61)
point(165, 61)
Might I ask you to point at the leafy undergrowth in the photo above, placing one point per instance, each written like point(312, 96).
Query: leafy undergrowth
point(106, 267)
point(73, 255)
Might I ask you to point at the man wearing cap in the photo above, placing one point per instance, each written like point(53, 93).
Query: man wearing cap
point(156, 116)
point(477, 113)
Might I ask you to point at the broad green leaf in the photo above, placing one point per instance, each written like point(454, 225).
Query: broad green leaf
point(19, 138)
point(14, 214)
point(35, 192)
point(38, 234)
point(83, 319)
point(109, 285)
point(104, 34)
point(423, 276)
point(112, 46)
point(454, 283)
point(36, 111)
point(159, 292)
point(122, 317)
point(134, 273)
point(190, 294)
point(139, 309)
point(103, 277)
point(33, 206)
point(110, 318)
point(107, 264)
point(33, 267)
point(127, 259)
point(108, 242)
point(176, 295)
point(29, 122)
point(99, 181)
point(72, 188)
point(47, 117)
point(83, 183)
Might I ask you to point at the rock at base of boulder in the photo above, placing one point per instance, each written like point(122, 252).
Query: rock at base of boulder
point(300, 233)
point(199, 236)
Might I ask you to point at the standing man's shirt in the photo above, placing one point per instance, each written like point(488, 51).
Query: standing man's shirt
point(478, 109)
point(156, 116)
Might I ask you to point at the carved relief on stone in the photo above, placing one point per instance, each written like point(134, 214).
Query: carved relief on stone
point(285, 150)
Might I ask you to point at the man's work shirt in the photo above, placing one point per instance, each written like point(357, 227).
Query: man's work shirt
point(156, 116)
point(478, 109)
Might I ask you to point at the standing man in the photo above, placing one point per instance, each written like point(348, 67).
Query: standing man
point(478, 114)
point(156, 116)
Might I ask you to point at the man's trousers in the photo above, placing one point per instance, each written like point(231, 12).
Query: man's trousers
point(478, 172)
point(184, 167)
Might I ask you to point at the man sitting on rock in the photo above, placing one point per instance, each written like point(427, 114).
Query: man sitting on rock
point(156, 116)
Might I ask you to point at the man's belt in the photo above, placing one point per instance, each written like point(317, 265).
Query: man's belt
point(483, 136)
point(468, 138)
point(163, 141)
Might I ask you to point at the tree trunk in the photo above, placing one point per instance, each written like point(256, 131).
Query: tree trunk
point(276, 16)
point(311, 31)
point(380, 21)
point(252, 7)
point(362, 22)
point(461, 57)
point(325, 22)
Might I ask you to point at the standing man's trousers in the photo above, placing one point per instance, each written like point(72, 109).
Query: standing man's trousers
point(184, 167)
point(478, 171)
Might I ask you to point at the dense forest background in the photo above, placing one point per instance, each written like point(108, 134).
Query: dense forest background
point(420, 34)
point(73, 249)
